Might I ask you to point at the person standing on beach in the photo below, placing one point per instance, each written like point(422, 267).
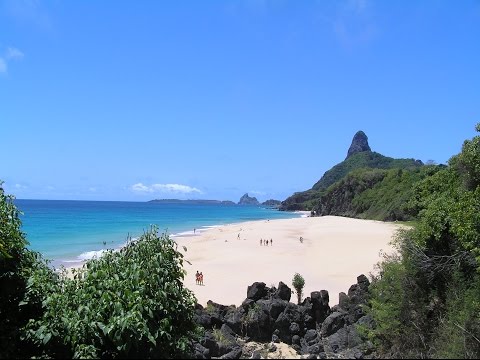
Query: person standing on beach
point(271, 241)
point(238, 236)
point(200, 277)
point(194, 230)
point(197, 278)
point(261, 241)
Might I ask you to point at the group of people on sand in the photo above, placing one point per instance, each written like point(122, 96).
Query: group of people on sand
point(265, 242)
point(199, 278)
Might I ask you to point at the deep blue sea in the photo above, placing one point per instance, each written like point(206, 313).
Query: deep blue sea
point(68, 232)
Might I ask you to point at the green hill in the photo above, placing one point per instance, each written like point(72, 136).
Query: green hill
point(359, 157)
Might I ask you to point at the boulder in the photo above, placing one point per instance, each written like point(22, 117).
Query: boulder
point(358, 293)
point(294, 328)
point(257, 291)
point(256, 323)
point(333, 323)
point(320, 306)
point(201, 352)
point(283, 292)
point(295, 340)
point(282, 324)
point(311, 337)
point(343, 301)
point(227, 342)
point(344, 339)
point(234, 319)
point(276, 307)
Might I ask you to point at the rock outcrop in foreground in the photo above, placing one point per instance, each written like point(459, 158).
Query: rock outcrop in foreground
point(267, 322)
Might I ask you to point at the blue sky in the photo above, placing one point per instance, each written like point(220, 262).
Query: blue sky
point(117, 100)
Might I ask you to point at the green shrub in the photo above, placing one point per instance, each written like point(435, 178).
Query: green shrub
point(129, 303)
point(426, 301)
point(21, 296)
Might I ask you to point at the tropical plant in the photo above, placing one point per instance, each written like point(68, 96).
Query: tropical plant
point(298, 283)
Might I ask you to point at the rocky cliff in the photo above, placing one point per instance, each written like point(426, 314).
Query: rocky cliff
point(359, 144)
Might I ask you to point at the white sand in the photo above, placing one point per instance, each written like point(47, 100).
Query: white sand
point(335, 250)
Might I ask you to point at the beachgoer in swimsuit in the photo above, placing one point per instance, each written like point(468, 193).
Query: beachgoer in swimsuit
point(200, 278)
point(197, 277)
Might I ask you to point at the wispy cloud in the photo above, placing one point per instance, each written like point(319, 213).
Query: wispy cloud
point(164, 188)
point(13, 53)
point(20, 186)
point(10, 54)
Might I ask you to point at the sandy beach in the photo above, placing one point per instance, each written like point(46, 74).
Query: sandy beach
point(334, 251)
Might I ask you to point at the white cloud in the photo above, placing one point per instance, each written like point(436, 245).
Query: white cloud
point(139, 187)
point(20, 186)
point(164, 188)
point(3, 66)
point(13, 53)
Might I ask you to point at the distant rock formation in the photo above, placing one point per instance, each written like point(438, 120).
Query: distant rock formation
point(194, 202)
point(247, 200)
point(273, 203)
point(359, 144)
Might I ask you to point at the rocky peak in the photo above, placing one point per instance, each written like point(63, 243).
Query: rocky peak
point(359, 144)
point(247, 200)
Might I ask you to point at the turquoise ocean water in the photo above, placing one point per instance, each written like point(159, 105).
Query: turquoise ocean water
point(68, 232)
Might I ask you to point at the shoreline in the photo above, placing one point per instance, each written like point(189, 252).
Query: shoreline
point(334, 251)
point(182, 233)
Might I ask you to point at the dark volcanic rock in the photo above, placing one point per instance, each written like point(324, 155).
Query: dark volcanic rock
point(359, 144)
point(320, 306)
point(333, 323)
point(283, 292)
point(256, 291)
point(312, 328)
point(345, 338)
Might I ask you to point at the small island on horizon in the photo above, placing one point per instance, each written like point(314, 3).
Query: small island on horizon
point(192, 201)
point(244, 200)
